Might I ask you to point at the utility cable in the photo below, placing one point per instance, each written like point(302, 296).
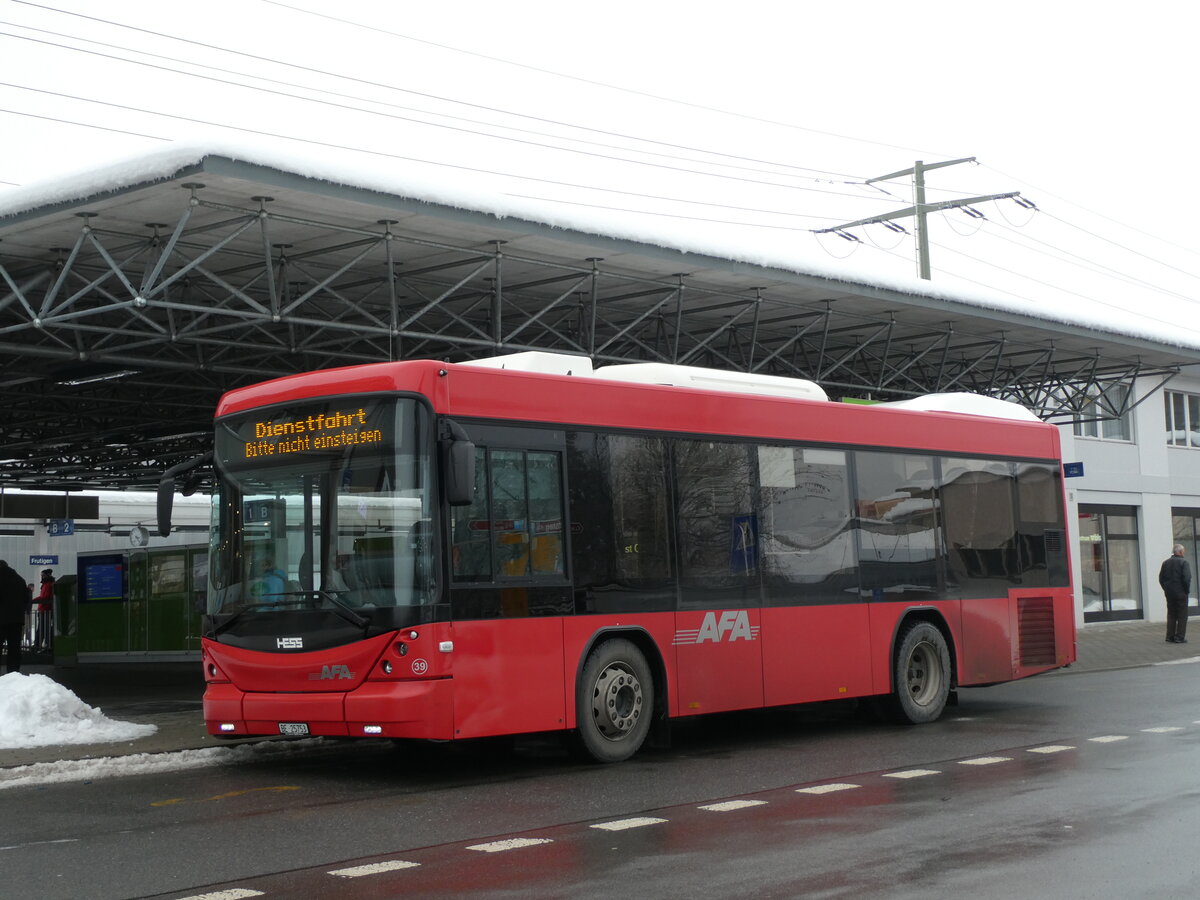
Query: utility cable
point(455, 128)
point(389, 87)
point(1141, 314)
point(360, 99)
point(582, 80)
point(14, 112)
point(672, 215)
point(1073, 259)
point(1101, 215)
point(431, 162)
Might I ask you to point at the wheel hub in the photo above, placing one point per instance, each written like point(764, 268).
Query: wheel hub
point(616, 701)
point(924, 676)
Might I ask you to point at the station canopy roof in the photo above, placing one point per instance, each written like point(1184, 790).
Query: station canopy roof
point(133, 295)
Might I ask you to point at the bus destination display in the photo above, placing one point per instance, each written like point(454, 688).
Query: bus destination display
point(304, 431)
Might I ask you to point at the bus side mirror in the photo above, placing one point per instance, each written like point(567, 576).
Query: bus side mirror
point(458, 465)
point(166, 488)
point(166, 499)
point(460, 473)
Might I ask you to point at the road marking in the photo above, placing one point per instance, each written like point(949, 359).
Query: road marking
point(827, 788)
point(39, 843)
point(1109, 738)
point(1163, 729)
point(390, 865)
point(232, 894)
point(912, 773)
point(227, 795)
point(1051, 748)
point(730, 805)
point(510, 844)
point(985, 760)
point(622, 824)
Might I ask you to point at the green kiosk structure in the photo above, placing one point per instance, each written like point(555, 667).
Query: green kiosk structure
point(133, 604)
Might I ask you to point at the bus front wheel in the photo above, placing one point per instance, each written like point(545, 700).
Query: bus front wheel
point(614, 702)
point(921, 676)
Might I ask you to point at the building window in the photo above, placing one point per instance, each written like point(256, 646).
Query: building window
point(1105, 414)
point(1111, 574)
point(1185, 526)
point(1183, 418)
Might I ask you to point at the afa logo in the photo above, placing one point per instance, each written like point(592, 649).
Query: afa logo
point(330, 673)
point(729, 625)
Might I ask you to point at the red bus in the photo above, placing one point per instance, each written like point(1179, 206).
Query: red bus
point(446, 551)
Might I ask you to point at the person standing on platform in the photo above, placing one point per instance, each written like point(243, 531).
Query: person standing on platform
point(45, 611)
point(15, 598)
point(1175, 578)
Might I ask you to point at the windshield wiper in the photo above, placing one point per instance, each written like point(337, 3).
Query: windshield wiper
point(300, 599)
point(344, 610)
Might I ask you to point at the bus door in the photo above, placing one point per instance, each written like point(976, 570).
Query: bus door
point(718, 650)
point(508, 586)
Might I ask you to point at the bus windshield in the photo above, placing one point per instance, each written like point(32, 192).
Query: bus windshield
point(324, 504)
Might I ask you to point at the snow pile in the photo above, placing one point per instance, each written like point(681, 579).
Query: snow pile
point(36, 711)
point(68, 770)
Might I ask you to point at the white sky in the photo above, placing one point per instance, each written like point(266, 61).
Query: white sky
point(1084, 108)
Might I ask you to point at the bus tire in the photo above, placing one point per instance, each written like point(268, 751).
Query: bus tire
point(921, 676)
point(614, 702)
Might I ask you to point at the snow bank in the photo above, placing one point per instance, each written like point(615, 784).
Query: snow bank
point(68, 770)
point(37, 711)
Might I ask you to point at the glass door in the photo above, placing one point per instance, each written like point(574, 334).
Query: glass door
point(1110, 572)
point(1185, 525)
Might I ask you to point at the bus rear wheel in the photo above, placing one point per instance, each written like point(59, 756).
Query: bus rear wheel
point(921, 676)
point(614, 702)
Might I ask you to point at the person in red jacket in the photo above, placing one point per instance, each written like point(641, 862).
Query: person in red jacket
point(45, 610)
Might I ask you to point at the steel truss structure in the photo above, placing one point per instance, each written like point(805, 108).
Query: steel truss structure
point(124, 316)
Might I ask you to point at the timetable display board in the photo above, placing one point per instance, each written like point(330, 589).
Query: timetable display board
point(102, 579)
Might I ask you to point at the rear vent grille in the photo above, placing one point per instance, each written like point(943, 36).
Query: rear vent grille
point(1035, 621)
point(1055, 540)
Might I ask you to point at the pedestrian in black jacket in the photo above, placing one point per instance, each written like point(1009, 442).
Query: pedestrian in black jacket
point(15, 599)
point(1175, 578)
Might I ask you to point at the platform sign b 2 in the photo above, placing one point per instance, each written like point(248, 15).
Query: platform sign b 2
point(60, 527)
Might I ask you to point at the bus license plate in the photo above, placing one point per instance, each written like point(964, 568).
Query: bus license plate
point(293, 728)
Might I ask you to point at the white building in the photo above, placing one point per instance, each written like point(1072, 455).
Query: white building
point(1139, 495)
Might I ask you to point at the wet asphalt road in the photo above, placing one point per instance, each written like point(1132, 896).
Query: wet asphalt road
point(1068, 785)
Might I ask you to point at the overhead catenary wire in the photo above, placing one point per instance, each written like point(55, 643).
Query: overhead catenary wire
point(346, 107)
point(1126, 225)
point(668, 215)
point(395, 88)
point(1141, 314)
point(16, 112)
point(356, 149)
point(582, 80)
point(497, 111)
point(1074, 259)
point(359, 99)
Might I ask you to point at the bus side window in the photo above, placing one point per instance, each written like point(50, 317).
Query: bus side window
point(545, 513)
point(514, 527)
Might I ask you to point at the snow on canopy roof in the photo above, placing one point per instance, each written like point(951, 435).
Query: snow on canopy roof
point(963, 402)
point(481, 192)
